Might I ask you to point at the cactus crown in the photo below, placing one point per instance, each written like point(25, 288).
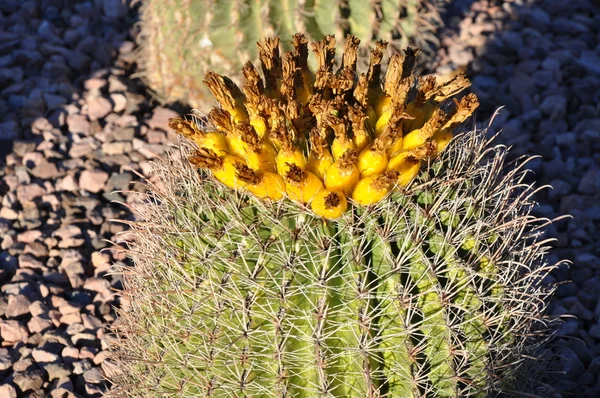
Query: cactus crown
point(319, 136)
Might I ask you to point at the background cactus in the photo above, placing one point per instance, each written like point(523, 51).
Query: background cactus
point(183, 39)
point(436, 290)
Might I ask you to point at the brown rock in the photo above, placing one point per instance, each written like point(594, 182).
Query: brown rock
point(37, 308)
point(69, 184)
point(17, 306)
point(38, 325)
point(70, 355)
point(120, 102)
point(160, 118)
point(27, 193)
point(12, 332)
point(29, 380)
point(98, 107)
point(29, 236)
point(116, 148)
point(90, 322)
point(78, 124)
point(45, 170)
point(7, 391)
point(93, 180)
point(40, 355)
point(8, 213)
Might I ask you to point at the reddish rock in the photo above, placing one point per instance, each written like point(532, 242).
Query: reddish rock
point(38, 325)
point(98, 107)
point(29, 236)
point(78, 124)
point(12, 332)
point(93, 180)
point(27, 193)
point(17, 306)
point(160, 118)
point(40, 355)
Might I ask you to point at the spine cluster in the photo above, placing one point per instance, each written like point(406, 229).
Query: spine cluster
point(330, 137)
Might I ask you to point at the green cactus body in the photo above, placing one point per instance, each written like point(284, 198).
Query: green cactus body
point(237, 297)
point(183, 39)
point(432, 288)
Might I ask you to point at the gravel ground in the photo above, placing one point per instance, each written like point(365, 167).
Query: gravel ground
point(541, 60)
point(74, 127)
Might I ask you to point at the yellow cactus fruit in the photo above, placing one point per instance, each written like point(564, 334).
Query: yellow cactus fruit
point(360, 135)
point(320, 157)
point(373, 159)
point(407, 164)
point(395, 147)
point(418, 137)
point(330, 134)
point(212, 140)
point(289, 153)
point(285, 158)
point(417, 107)
point(442, 139)
point(259, 154)
point(301, 185)
point(329, 204)
point(223, 168)
point(262, 158)
point(339, 147)
point(228, 94)
point(372, 189)
point(264, 185)
point(342, 142)
point(319, 164)
point(343, 174)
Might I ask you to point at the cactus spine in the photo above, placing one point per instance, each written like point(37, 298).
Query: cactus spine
point(183, 39)
point(433, 289)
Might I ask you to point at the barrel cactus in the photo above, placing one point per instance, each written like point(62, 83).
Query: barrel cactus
point(332, 234)
point(183, 39)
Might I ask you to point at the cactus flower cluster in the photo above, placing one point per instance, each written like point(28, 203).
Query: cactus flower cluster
point(330, 137)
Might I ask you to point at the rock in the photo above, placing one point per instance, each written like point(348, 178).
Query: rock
point(555, 106)
point(119, 101)
point(116, 148)
point(124, 134)
point(6, 360)
point(42, 356)
point(38, 325)
point(8, 130)
point(45, 170)
point(17, 306)
point(13, 331)
point(114, 8)
point(590, 61)
point(160, 118)
point(93, 180)
point(7, 391)
point(80, 367)
point(98, 107)
point(54, 101)
point(78, 124)
point(28, 381)
point(27, 193)
point(590, 182)
point(23, 364)
point(56, 371)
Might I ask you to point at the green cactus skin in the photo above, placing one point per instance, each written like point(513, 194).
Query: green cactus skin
point(434, 292)
point(183, 39)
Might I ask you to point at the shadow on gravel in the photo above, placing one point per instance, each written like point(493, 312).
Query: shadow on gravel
point(540, 59)
point(75, 129)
